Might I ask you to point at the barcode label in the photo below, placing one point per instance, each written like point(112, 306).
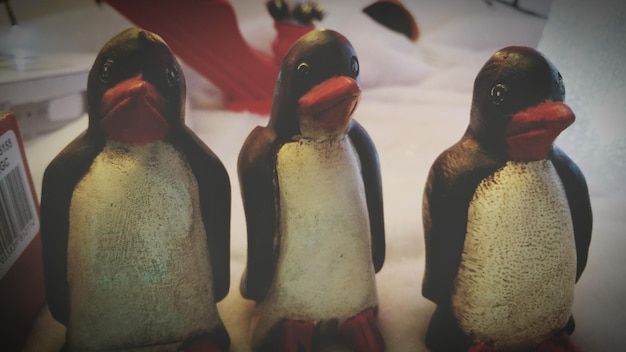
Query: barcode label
point(18, 216)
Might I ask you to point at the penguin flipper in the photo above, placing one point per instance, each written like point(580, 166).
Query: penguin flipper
point(579, 204)
point(60, 178)
point(450, 186)
point(370, 170)
point(215, 204)
point(256, 178)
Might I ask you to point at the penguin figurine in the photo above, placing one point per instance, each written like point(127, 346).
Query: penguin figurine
point(507, 218)
point(135, 213)
point(311, 188)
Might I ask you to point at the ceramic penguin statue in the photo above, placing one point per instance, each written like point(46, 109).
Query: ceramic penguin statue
point(312, 195)
point(135, 213)
point(507, 217)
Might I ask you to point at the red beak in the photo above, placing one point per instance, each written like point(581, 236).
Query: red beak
point(133, 113)
point(331, 103)
point(531, 132)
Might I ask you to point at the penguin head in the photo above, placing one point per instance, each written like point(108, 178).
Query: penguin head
point(135, 89)
point(518, 104)
point(317, 88)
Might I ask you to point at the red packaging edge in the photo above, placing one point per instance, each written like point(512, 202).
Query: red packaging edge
point(22, 290)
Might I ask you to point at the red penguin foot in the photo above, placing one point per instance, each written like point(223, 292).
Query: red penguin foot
point(203, 344)
point(558, 343)
point(295, 336)
point(362, 332)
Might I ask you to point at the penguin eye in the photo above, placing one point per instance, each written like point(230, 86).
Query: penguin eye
point(106, 70)
point(354, 66)
point(303, 69)
point(171, 74)
point(498, 93)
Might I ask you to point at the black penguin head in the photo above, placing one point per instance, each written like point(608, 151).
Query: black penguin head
point(317, 87)
point(136, 89)
point(514, 80)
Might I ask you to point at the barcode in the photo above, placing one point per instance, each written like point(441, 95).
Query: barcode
point(16, 213)
point(19, 221)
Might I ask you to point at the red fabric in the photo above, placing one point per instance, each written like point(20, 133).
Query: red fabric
point(362, 332)
point(287, 34)
point(206, 36)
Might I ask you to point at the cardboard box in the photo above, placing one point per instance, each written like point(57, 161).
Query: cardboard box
point(22, 291)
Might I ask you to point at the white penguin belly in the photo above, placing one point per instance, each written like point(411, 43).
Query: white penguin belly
point(515, 285)
point(138, 265)
point(324, 268)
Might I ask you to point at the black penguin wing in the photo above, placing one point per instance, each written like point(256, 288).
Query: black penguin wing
point(370, 171)
point(60, 178)
point(256, 168)
point(450, 186)
point(579, 204)
point(215, 205)
point(449, 189)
